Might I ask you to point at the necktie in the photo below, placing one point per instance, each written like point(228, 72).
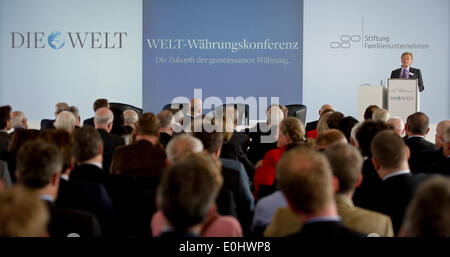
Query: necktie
point(404, 76)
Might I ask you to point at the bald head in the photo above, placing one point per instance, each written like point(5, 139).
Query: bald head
point(19, 120)
point(182, 145)
point(104, 119)
point(398, 124)
point(65, 120)
point(440, 130)
point(324, 107)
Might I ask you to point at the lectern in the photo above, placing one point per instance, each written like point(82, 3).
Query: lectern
point(403, 97)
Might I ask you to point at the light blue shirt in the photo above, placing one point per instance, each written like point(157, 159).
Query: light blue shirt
point(393, 174)
point(47, 198)
point(266, 207)
point(323, 219)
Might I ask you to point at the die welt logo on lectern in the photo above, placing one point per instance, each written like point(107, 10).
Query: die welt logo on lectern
point(58, 40)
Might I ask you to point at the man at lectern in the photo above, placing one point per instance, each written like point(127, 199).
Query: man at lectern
point(408, 72)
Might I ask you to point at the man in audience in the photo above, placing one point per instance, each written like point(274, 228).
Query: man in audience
point(65, 120)
point(381, 115)
point(305, 179)
point(398, 125)
point(416, 131)
point(103, 121)
point(74, 110)
point(99, 103)
point(130, 117)
point(313, 124)
point(390, 160)
point(368, 113)
point(5, 126)
point(38, 168)
point(334, 119)
point(198, 177)
point(346, 125)
point(346, 163)
point(19, 121)
point(235, 180)
point(88, 148)
point(181, 145)
point(144, 157)
point(166, 120)
point(329, 137)
point(428, 214)
point(81, 195)
point(22, 214)
point(59, 107)
point(441, 165)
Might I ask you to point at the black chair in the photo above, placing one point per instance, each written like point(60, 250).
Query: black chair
point(243, 112)
point(176, 106)
point(125, 107)
point(298, 111)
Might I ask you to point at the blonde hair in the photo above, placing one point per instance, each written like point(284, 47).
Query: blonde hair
point(293, 128)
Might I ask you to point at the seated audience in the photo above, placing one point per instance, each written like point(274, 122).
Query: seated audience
point(59, 107)
point(398, 125)
point(166, 121)
point(441, 165)
point(428, 214)
point(305, 178)
point(22, 214)
point(434, 157)
point(390, 160)
point(19, 121)
point(38, 167)
point(381, 115)
point(99, 103)
point(65, 120)
point(329, 137)
point(198, 176)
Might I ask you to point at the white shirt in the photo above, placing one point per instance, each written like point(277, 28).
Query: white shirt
point(397, 173)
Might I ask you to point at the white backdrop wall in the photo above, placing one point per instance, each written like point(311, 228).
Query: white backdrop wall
point(33, 80)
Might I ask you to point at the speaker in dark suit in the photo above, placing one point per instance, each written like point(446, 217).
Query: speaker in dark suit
point(408, 72)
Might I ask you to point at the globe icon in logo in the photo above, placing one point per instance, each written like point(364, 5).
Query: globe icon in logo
point(56, 40)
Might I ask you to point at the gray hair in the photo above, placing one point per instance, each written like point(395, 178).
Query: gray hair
point(380, 115)
point(181, 145)
point(103, 118)
point(65, 120)
point(166, 119)
point(447, 135)
point(130, 117)
point(17, 119)
point(59, 107)
point(73, 109)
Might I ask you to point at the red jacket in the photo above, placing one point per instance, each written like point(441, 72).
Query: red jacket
point(265, 175)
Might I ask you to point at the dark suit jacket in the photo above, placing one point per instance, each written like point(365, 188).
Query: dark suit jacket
point(417, 75)
point(5, 139)
point(257, 149)
point(140, 159)
point(66, 221)
point(110, 143)
point(326, 229)
point(90, 197)
point(311, 125)
point(417, 145)
point(47, 124)
point(395, 195)
point(88, 173)
point(367, 193)
point(89, 122)
point(164, 138)
point(440, 167)
point(429, 158)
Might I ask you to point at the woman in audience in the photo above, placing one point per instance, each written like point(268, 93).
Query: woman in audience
point(291, 131)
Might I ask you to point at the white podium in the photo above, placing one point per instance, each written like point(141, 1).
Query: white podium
point(403, 97)
point(370, 95)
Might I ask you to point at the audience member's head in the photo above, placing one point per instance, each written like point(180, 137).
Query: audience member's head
point(346, 125)
point(198, 177)
point(166, 121)
point(353, 139)
point(366, 132)
point(88, 144)
point(196, 107)
point(147, 126)
point(65, 120)
point(381, 115)
point(181, 145)
point(398, 125)
point(20, 137)
point(334, 119)
point(19, 120)
point(100, 103)
point(428, 214)
point(322, 124)
point(65, 143)
point(305, 178)
point(130, 117)
point(232, 112)
point(368, 113)
point(329, 137)
point(417, 124)
point(5, 117)
point(446, 144)
point(325, 108)
point(346, 162)
point(61, 106)
point(38, 167)
point(292, 131)
point(390, 153)
point(212, 142)
point(103, 119)
point(224, 125)
point(440, 131)
point(275, 113)
point(22, 214)
point(73, 109)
